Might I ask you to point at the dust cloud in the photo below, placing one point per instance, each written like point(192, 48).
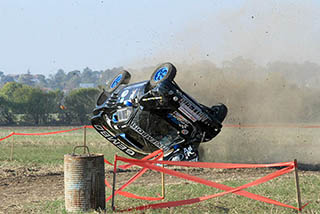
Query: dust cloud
point(279, 93)
point(257, 58)
point(264, 32)
point(253, 94)
point(262, 60)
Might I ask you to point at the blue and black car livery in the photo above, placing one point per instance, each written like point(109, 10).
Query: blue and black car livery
point(155, 114)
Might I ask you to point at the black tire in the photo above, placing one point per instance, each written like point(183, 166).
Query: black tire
point(165, 71)
point(102, 97)
point(219, 111)
point(122, 77)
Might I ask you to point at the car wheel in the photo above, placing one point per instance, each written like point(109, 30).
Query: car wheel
point(219, 111)
point(121, 78)
point(165, 71)
point(102, 98)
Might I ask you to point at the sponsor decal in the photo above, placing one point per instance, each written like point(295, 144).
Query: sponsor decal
point(192, 111)
point(187, 113)
point(114, 140)
point(178, 119)
point(188, 151)
point(173, 119)
point(148, 137)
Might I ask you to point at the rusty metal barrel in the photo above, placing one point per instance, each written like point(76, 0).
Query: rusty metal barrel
point(84, 181)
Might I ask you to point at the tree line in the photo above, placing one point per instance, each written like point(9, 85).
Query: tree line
point(65, 81)
point(280, 92)
point(21, 104)
point(64, 98)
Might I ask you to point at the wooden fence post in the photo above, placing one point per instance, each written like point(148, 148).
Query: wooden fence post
point(297, 185)
point(11, 150)
point(84, 139)
point(114, 183)
point(163, 183)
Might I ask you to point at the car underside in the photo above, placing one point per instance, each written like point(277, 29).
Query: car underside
point(155, 114)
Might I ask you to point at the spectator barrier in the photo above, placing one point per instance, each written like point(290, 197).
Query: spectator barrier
point(154, 165)
point(147, 164)
point(226, 126)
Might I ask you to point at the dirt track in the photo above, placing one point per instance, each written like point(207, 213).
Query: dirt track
point(20, 187)
point(32, 186)
point(14, 192)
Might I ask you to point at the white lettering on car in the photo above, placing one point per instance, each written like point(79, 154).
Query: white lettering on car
point(192, 111)
point(114, 140)
point(144, 134)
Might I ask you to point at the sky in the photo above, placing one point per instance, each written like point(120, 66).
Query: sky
point(42, 36)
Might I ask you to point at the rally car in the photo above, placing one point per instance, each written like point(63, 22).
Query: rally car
point(143, 117)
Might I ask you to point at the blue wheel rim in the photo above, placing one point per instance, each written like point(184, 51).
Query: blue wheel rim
point(116, 81)
point(160, 74)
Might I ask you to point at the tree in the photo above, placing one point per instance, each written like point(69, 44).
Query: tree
point(73, 80)
point(58, 80)
point(6, 115)
point(80, 103)
point(41, 81)
point(39, 105)
point(88, 76)
point(9, 107)
point(35, 104)
point(26, 79)
point(9, 92)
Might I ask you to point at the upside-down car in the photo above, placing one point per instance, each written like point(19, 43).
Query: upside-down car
point(143, 117)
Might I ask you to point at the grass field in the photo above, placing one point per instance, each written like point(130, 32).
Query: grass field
point(280, 189)
point(49, 149)
point(38, 164)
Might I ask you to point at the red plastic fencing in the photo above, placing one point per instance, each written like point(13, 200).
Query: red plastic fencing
point(225, 125)
point(156, 155)
point(44, 133)
point(271, 126)
point(154, 165)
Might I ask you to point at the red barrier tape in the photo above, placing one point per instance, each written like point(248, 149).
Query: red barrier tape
point(107, 162)
point(153, 154)
point(231, 190)
point(129, 165)
point(44, 133)
point(157, 155)
point(206, 164)
point(1, 139)
point(271, 126)
point(130, 195)
point(148, 164)
point(49, 133)
point(225, 125)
